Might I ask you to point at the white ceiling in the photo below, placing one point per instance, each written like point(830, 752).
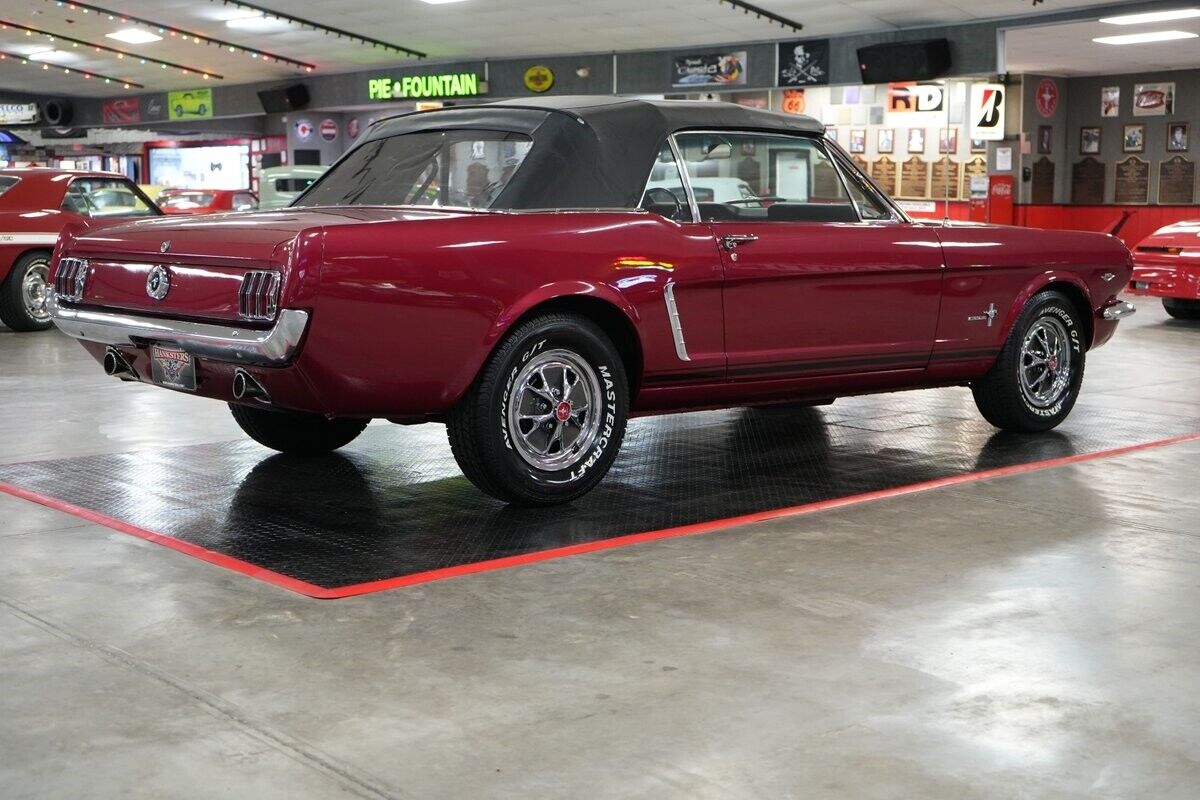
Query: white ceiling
point(1069, 50)
point(470, 29)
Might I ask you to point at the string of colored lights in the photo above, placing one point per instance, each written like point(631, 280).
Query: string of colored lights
point(182, 34)
point(87, 74)
point(327, 30)
point(53, 37)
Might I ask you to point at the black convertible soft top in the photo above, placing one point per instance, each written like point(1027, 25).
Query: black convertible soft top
point(588, 152)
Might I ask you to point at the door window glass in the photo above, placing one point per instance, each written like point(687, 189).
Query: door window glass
point(766, 178)
point(106, 197)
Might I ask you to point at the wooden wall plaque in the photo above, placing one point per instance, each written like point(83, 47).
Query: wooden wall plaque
point(884, 173)
point(1043, 182)
point(947, 173)
point(1087, 182)
point(914, 178)
point(1177, 182)
point(1133, 182)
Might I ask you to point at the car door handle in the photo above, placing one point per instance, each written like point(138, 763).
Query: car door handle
point(732, 241)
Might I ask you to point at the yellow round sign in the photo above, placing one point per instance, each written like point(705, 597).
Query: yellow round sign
point(539, 79)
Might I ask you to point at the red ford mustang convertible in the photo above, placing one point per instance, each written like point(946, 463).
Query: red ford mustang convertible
point(532, 274)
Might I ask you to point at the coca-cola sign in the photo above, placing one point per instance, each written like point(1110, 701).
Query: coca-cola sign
point(1153, 99)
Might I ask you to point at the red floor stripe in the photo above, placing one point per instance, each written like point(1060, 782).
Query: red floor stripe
point(312, 590)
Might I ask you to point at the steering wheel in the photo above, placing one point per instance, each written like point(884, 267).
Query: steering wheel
point(664, 197)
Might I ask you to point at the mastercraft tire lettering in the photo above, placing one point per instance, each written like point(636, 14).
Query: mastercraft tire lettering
point(546, 416)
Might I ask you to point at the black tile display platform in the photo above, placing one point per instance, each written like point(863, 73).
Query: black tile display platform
point(394, 504)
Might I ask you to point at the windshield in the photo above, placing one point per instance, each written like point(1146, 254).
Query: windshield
point(106, 197)
point(462, 169)
point(187, 200)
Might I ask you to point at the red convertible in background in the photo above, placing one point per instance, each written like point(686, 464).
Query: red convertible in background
point(1167, 265)
point(533, 273)
point(35, 206)
point(206, 201)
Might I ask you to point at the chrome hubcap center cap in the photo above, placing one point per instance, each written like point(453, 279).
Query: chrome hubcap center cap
point(562, 412)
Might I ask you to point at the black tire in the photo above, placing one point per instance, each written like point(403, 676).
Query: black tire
point(1001, 396)
point(1182, 309)
point(294, 432)
point(479, 427)
point(14, 308)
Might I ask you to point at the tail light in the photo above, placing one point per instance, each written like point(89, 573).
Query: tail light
point(258, 298)
point(71, 278)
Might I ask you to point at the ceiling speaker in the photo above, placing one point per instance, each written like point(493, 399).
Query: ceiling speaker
point(281, 101)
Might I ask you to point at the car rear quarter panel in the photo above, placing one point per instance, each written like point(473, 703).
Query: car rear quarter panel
point(407, 312)
point(1007, 266)
point(22, 232)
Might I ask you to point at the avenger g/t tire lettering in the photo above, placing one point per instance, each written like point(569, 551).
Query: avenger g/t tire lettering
point(1035, 382)
point(545, 417)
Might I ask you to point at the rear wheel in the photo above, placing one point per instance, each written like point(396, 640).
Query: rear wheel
point(25, 295)
point(1034, 383)
point(1182, 309)
point(295, 432)
point(546, 416)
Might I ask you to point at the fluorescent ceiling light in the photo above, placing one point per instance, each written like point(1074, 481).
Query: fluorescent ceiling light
point(1153, 16)
point(440, 2)
point(51, 55)
point(1145, 38)
point(134, 36)
point(257, 22)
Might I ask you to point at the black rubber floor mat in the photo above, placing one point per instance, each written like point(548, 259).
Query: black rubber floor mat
point(394, 503)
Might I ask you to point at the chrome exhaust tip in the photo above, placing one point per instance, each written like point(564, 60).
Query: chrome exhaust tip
point(245, 387)
point(116, 365)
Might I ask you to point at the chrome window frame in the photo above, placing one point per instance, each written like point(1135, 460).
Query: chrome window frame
point(815, 140)
point(689, 198)
point(868, 185)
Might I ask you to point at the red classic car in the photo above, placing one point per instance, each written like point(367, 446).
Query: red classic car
point(533, 273)
point(35, 206)
point(1167, 265)
point(206, 201)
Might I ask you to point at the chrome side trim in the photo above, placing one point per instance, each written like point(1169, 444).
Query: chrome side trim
point(676, 325)
point(1119, 311)
point(269, 348)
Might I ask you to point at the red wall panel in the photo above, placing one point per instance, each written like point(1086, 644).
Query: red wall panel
point(1139, 222)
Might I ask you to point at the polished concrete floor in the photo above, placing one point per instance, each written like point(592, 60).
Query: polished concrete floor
point(1027, 636)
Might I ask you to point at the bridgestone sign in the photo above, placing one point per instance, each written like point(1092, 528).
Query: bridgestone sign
point(420, 87)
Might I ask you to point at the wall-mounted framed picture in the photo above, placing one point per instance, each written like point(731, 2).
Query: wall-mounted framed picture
point(948, 140)
point(1110, 101)
point(1089, 141)
point(1045, 140)
point(916, 140)
point(979, 145)
point(886, 141)
point(858, 140)
point(1177, 137)
point(1134, 138)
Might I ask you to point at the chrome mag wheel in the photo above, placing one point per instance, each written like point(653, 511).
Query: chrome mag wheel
point(35, 291)
point(554, 410)
point(1045, 366)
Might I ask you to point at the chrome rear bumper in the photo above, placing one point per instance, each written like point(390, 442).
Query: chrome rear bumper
point(1119, 311)
point(269, 348)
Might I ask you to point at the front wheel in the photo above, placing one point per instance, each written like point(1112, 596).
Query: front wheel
point(1182, 309)
point(1035, 382)
point(294, 432)
point(25, 295)
point(546, 416)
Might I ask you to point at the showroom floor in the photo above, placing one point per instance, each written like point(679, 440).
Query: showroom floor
point(1013, 637)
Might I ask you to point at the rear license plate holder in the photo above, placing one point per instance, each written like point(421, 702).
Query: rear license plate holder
point(173, 367)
